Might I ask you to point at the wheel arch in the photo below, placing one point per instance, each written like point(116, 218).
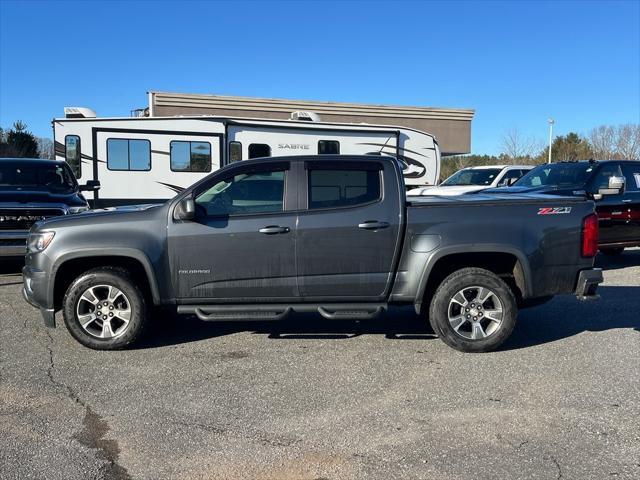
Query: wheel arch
point(72, 264)
point(505, 261)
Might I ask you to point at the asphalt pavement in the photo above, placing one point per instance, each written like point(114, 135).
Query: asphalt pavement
point(310, 399)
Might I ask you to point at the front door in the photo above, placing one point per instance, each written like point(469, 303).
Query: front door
point(240, 247)
point(631, 201)
point(348, 234)
point(612, 217)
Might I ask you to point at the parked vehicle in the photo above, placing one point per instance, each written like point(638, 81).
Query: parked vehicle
point(32, 190)
point(613, 184)
point(473, 179)
point(149, 160)
point(336, 235)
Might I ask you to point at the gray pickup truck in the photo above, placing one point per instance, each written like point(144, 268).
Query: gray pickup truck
point(260, 239)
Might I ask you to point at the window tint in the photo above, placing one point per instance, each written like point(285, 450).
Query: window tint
point(601, 179)
point(72, 154)
point(342, 188)
point(235, 151)
point(259, 150)
point(632, 177)
point(326, 147)
point(246, 193)
point(123, 154)
point(190, 156)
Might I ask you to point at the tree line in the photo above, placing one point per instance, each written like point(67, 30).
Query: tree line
point(19, 142)
point(606, 142)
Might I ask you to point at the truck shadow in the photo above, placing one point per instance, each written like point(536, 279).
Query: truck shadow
point(561, 318)
point(628, 258)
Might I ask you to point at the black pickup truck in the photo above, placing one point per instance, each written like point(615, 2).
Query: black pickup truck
point(260, 239)
point(33, 190)
point(614, 185)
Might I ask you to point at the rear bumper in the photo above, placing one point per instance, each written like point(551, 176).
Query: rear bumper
point(587, 284)
point(13, 243)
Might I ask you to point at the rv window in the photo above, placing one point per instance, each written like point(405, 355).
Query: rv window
point(190, 156)
point(327, 147)
point(124, 154)
point(259, 150)
point(342, 188)
point(72, 154)
point(235, 151)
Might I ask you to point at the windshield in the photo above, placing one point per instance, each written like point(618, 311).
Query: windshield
point(479, 176)
point(557, 174)
point(39, 176)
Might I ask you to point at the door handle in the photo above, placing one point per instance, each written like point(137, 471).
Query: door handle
point(373, 225)
point(273, 229)
point(628, 200)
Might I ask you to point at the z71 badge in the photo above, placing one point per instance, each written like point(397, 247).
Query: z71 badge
point(554, 210)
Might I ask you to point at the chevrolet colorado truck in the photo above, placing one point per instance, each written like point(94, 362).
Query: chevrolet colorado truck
point(260, 239)
point(32, 190)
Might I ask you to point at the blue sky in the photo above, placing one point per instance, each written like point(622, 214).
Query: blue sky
point(515, 63)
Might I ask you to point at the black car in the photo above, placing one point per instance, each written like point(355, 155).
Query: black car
point(32, 190)
point(618, 213)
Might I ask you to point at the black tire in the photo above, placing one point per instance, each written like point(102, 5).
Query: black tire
point(442, 305)
point(612, 251)
point(131, 299)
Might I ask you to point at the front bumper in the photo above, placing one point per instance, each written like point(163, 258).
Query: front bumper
point(588, 281)
point(13, 243)
point(34, 285)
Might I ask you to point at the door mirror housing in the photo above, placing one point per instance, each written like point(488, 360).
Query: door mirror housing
point(185, 210)
point(616, 185)
point(90, 186)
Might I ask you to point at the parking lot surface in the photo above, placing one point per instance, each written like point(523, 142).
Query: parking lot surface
point(314, 399)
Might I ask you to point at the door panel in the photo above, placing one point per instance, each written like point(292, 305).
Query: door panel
point(348, 238)
point(241, 244)
point(631, 201)
point(612, 216)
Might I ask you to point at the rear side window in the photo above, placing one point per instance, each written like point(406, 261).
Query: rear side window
point(259, 150)
point(190, 156)
point(632, 177)
point(72, 154)
point(125, 154)
point(342, 188)
point(328, 147)
point(235, 151)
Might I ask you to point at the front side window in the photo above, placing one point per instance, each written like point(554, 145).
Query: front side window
point(125, 154)
point(327, 147)
point(601, 179)
point(190, 156)
point(511, 176)
point(243, 194)
point(342, 188)
point(72, 154)
point(259, 150)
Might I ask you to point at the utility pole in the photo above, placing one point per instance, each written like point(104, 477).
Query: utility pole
point(551, 122)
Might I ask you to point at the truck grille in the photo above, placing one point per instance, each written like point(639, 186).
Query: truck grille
point(23, 219)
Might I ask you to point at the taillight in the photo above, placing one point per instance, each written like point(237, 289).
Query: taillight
point(590, 235)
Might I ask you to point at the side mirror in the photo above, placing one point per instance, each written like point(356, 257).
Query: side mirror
point(185, 210)
point(90, 186)
point(616, 185)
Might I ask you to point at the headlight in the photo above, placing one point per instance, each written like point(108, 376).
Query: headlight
point(73, 210)
point(39, 241)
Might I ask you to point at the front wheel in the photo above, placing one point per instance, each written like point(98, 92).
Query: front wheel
point(103, 309)
point(473, 310)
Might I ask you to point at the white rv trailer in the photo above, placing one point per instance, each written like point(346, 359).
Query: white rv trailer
point(150, 159)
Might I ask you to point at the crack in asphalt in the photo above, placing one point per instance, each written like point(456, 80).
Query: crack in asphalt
point(95, 428)
point(557, 464)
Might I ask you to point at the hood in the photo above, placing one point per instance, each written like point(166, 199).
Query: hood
point(13, 197)
point(446, 191)
point(103, 215)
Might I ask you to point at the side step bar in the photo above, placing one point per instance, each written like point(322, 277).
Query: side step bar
point(273, 312)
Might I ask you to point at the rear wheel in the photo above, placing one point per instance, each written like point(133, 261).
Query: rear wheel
point(473, 310)
point(612, 251)
point(104, 310)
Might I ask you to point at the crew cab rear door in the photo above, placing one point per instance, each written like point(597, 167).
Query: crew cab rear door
point(349, 228)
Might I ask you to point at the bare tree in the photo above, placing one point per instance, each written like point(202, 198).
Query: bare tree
point(603, 142)
point(628, 141)
point(516, 146)
point(45, 147)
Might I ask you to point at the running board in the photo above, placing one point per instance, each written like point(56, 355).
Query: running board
point(274, 312)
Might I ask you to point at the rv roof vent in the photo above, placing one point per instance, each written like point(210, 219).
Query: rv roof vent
point(305, 116)
point(79, 112)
